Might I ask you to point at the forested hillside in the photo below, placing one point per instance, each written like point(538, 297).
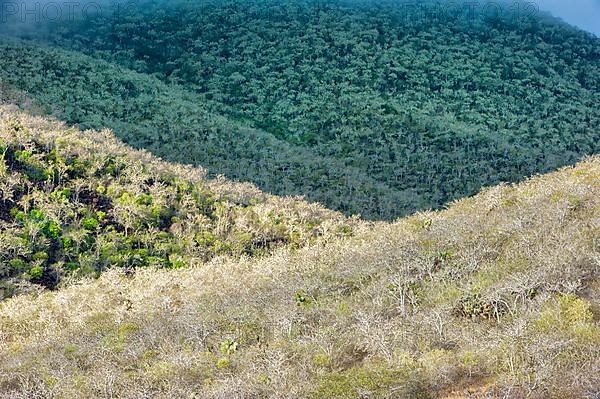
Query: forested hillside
point(176, 125)
point(143, 253)
point(125, 275)
point(495, 297)
point(372, 108)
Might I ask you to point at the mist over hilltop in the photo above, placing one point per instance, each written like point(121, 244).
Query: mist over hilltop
point(584, 14)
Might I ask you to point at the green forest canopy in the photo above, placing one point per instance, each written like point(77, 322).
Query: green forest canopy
point(374, 108)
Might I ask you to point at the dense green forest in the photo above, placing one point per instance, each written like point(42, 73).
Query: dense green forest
point(370, 108)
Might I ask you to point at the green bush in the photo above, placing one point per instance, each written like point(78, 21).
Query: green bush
point(90, 223)
point(568, 314)
point(370, 381)
point(36, 272)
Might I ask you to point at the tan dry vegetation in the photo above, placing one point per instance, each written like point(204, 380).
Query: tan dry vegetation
point(78, 202)
point(496, 296)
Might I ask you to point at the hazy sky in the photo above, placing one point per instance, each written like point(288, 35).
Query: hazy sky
point(582, 13)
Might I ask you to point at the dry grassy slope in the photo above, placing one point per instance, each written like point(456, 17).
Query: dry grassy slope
point(497, 296)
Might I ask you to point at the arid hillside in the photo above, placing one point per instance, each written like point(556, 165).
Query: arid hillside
point(496, 296)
